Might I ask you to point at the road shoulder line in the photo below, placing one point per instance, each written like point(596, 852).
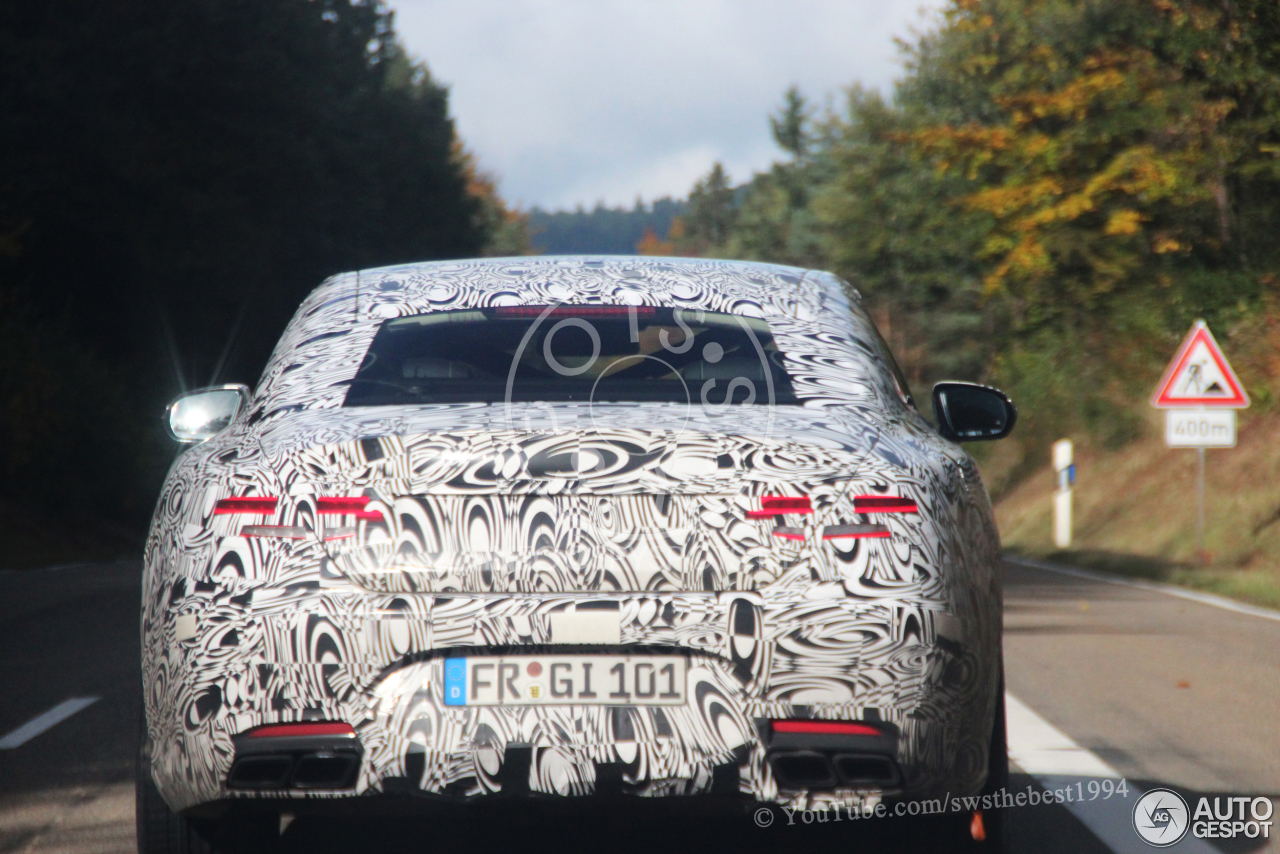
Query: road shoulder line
point(1061, 765)
point(45, 721)
point(76, 565)
point(1154, 586)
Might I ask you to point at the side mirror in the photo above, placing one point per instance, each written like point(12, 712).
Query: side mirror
point(967, 412)
point(199, 415)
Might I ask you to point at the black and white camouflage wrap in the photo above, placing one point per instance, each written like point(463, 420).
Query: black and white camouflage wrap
point(482, 540)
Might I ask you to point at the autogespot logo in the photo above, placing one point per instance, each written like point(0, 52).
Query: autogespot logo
point(1161, 818)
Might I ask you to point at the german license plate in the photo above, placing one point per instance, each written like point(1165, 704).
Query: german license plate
point(580, 680)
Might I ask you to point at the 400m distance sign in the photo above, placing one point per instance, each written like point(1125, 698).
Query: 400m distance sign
point(1200, 428)
point(1201, 394)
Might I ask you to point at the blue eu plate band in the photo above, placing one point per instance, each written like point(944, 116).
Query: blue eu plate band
point(455, 681)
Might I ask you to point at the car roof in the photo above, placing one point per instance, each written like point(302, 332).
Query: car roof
point(780, 274)
point(692, 282)
point(324, 343)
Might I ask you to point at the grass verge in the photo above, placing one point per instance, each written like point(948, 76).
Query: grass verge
point(1255, 586)
point(1134, 512)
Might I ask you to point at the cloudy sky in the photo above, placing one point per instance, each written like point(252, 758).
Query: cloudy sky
point(577, 101)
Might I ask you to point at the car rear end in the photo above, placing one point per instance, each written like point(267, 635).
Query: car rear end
point(584, 586)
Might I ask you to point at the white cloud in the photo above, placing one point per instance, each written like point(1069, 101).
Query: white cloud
point(574, 101)
point(669, 174)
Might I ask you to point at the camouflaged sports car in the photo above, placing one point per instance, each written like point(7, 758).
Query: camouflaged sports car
point(566, 527)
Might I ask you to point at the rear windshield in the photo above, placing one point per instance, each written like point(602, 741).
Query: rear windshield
point(572, 353)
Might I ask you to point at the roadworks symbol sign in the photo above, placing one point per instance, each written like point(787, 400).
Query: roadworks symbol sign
point(1200, 375)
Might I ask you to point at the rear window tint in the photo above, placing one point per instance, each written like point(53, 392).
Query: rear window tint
point(572, 353)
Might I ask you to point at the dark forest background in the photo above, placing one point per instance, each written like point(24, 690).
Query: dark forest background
point(174, 178)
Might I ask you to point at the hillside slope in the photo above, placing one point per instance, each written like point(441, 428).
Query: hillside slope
point(1135, 512)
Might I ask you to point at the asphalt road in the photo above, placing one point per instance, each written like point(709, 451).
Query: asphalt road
point(1164, 690)
point(1134, 684)
point(67, 633)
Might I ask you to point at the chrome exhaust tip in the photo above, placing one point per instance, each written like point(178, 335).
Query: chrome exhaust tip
point(856, 769)
point(300, 755)
point(260, 772)
point(325, 771)
point(802, 769)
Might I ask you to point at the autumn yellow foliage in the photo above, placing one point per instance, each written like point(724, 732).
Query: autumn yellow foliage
point(1093, 152)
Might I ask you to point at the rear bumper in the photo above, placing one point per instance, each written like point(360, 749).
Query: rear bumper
point(753, 657)
point(412, 743)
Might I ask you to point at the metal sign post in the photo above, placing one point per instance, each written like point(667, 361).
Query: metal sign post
point(1200, 504)
point(1200, 393)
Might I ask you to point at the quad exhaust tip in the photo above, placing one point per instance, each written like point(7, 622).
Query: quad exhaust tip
point(260, 772)
point(306, 755)
point(815, 754)
point(307, 771)
point(808, 769)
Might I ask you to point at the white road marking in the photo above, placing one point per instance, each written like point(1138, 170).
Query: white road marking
point(59, 566)
point(1167, 589)
point(45, 721)
point(1041, 748)
point(1059, 764)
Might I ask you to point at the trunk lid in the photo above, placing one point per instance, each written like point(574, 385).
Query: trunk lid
point(576, 502)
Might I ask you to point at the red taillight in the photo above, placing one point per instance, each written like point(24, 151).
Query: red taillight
point(303, 729)
point(884, 504)
point(825, 727)
point(778, 505)
point(788, 533)
point(574, 310)
point(255, 505)
point(341, 506)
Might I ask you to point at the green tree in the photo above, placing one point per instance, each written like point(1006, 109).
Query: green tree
point(774, 221)
point(890, 227)
point(711, 213)
point(506, 229)
point(790, 125)
point(1119, 150)
point(1053, 191)
point(1114, 152)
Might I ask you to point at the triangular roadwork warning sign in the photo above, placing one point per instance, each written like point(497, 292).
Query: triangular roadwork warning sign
point(1200, 375)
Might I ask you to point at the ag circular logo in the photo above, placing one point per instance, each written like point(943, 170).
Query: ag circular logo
point(1161, 817)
